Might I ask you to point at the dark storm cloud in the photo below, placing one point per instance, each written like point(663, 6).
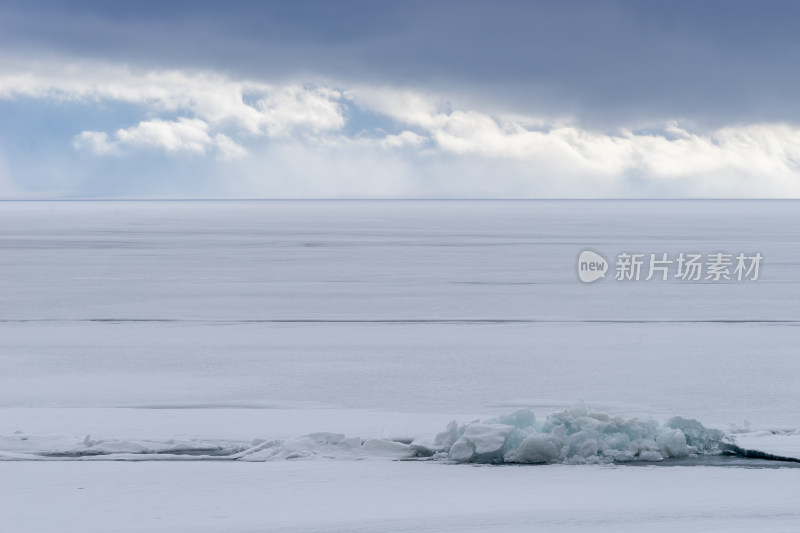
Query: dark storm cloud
point(714, 62)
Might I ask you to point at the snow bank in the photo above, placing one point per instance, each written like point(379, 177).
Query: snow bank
point(325, 446)
point(311, 446)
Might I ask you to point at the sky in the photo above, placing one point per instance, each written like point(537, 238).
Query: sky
point(366, 99)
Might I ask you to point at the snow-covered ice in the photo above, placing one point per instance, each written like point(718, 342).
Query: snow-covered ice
point(298, 348)
point(339, 496)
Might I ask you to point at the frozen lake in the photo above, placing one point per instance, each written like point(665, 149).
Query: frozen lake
point(418, 306)
point(230, 321)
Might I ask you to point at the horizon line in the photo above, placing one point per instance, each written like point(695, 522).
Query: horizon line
point(423, 199)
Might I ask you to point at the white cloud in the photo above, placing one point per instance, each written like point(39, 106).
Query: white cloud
point(497, 155)
point(227, 148)
point(182, 135)
point(289, 107)
point(94, 141)
point(252, 107)
point(764, 158)
point(403, 139)
point(403, 105)
point(190, 135)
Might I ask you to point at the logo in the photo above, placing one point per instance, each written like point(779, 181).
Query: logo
point(591, 266)
point(716, 267)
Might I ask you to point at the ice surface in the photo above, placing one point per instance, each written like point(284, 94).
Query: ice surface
point(777, 443)
point(434, 308)
point(430, 307)
point(390, 496)
point(274, 357)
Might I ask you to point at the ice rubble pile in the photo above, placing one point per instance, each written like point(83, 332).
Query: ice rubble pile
point(574, 435)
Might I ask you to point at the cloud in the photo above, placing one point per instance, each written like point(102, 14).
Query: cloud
point(189, 135)
point(718, 62)
point(433, 145)
point(668, 153)
point(764, 158)
point(403, 139)
point(292, 107)
point(251, 107)
point(182, 135)
point(227, 148)
point(94, 141)
point(211, 103)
